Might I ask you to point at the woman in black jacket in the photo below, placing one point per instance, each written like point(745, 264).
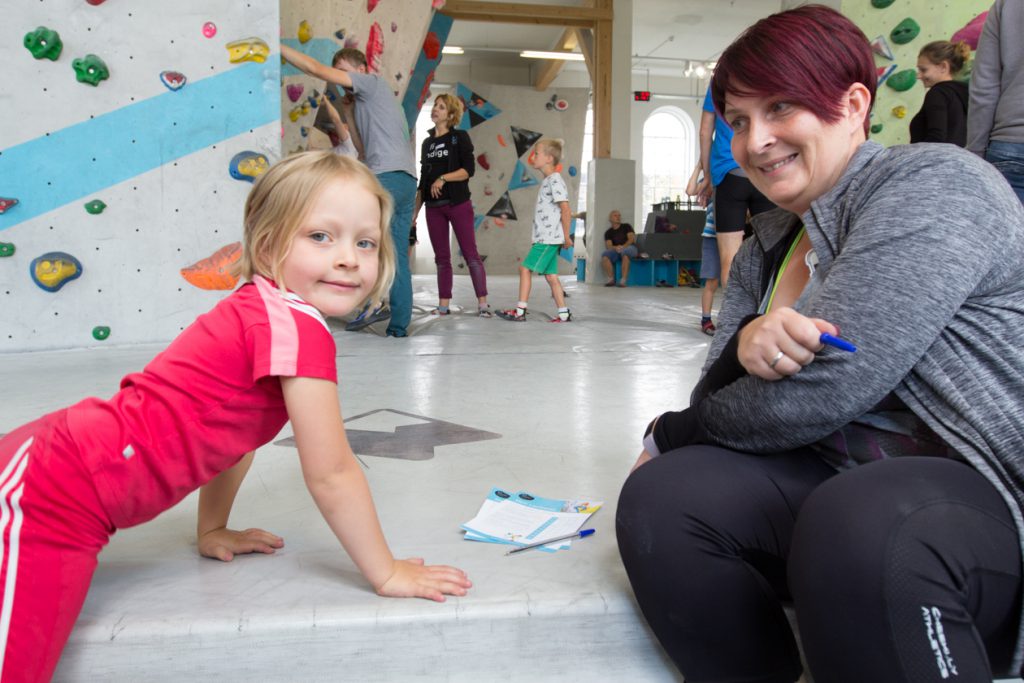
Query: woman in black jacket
point(943, 116)
point(446, 165)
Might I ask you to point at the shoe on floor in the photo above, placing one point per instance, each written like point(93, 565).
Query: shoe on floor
point(440, 311)
point(365, 320)
point(707, 327)
point(396, 333)
point(513, 315)
point(610, 283)
point(558, 318)
point(485, 312)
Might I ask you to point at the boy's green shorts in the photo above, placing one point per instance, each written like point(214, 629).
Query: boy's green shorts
point(543, 259)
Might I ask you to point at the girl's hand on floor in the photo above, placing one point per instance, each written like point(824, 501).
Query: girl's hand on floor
point(223, 544)
point(413, 579)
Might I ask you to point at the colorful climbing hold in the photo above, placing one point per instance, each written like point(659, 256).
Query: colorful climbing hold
point(394, 26)
point(173, 80)
point(214, 271)
point(100, 332)
point(95, 2)
point(6, 203)
point(881, 4)
point(247, 50)
point(95, 207)
point(6, 249)
point(905, 31)
point(899, 111)
point(90, 69)
point(374, 48)
point(340, 34)
point(431, 46)
point(53, 270)
point(248, 166)
point(884, 72)
point(371, 5)
point(209, 29)
point(902, 80)
point(880, 46)
point(303, 131)
point(876, 128)
point(305, 32)
point(295, 113)
point(484, 163)
point(44, 43)
point(294, 91)
point(314, 99)
point(573, 171)
point(501, 141)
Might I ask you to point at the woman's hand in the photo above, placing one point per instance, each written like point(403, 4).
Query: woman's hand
point(223, 544)
point(436, 187)
point(413, 579)
point(780, 343)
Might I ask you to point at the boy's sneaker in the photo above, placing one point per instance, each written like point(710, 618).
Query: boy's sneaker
point(559, 319)
point(485, 312)
point(707, 327)
point(365, 319)
point(441, 311)
point(513, 315)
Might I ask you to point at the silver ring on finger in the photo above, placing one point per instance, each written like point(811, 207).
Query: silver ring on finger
point(779, 356)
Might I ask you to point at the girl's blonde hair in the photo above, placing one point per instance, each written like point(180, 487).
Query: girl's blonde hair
point(454, 106)
point(281, 199)
point(939, 51)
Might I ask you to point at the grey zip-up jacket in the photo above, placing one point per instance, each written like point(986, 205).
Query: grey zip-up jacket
point(921, 265)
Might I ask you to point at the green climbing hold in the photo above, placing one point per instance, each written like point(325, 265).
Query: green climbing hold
point(44, 43)
point(881, 4)
point(902, 80)
point(90, 69)
point(100, 332)
point(6, 249)
point(95, 207)
point(905, 31)
point(876, 129)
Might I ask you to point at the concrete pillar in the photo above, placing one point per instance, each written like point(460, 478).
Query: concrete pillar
point(622, 78)
point(610, 186)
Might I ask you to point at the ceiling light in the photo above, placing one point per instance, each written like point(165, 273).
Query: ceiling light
point(566, 56)
point(452, 50)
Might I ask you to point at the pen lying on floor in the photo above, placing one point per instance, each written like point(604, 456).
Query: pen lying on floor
point(579, 534)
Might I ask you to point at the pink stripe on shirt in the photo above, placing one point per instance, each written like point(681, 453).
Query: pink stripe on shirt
point(284, 333)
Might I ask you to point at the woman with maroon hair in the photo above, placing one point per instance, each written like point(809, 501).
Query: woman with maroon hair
point(879, 488)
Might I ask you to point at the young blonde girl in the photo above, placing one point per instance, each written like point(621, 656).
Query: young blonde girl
point(316, 243)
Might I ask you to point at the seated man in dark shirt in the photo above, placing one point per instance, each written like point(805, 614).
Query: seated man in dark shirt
point(619, 246)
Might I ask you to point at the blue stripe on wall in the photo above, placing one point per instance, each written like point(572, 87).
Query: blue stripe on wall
point(80, 160)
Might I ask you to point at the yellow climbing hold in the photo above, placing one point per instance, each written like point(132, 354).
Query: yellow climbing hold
point(248, 50)
point(899, 111)
point(305, 32)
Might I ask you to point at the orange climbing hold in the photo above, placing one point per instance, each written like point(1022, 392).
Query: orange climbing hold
point(214, 272)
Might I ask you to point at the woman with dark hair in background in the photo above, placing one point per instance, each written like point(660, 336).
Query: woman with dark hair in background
point(882, 489)
point(943, 116)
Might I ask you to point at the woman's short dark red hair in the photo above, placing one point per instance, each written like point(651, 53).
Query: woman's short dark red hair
point(808, 56)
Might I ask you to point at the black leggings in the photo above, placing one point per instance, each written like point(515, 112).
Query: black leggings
point(898, 570)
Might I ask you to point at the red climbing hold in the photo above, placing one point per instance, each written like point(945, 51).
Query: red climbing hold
point(95, 2)
point(6, 203)
point(375, 48)
point(431, 46)
point(484, 164)
point(371, 5)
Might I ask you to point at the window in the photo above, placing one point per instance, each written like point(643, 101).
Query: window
point(588, 154)
point(669, 155)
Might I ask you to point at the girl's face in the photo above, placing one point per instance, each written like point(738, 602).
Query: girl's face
point(439, 112)
point(790, 154)
point(930, 73)
point(334, 256)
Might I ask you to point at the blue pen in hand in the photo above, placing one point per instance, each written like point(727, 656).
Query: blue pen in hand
point(827, 338)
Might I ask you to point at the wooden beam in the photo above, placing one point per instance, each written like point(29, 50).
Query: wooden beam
point(549, 69)
point(585, 39)
point(519, 13)
point(602, 88)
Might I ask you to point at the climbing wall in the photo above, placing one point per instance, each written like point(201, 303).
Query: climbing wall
point(503, 122)
point(130, 133)
point(390, 32)
point(899, 29)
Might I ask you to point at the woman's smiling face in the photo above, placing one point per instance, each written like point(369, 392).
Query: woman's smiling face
point(790, 154)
